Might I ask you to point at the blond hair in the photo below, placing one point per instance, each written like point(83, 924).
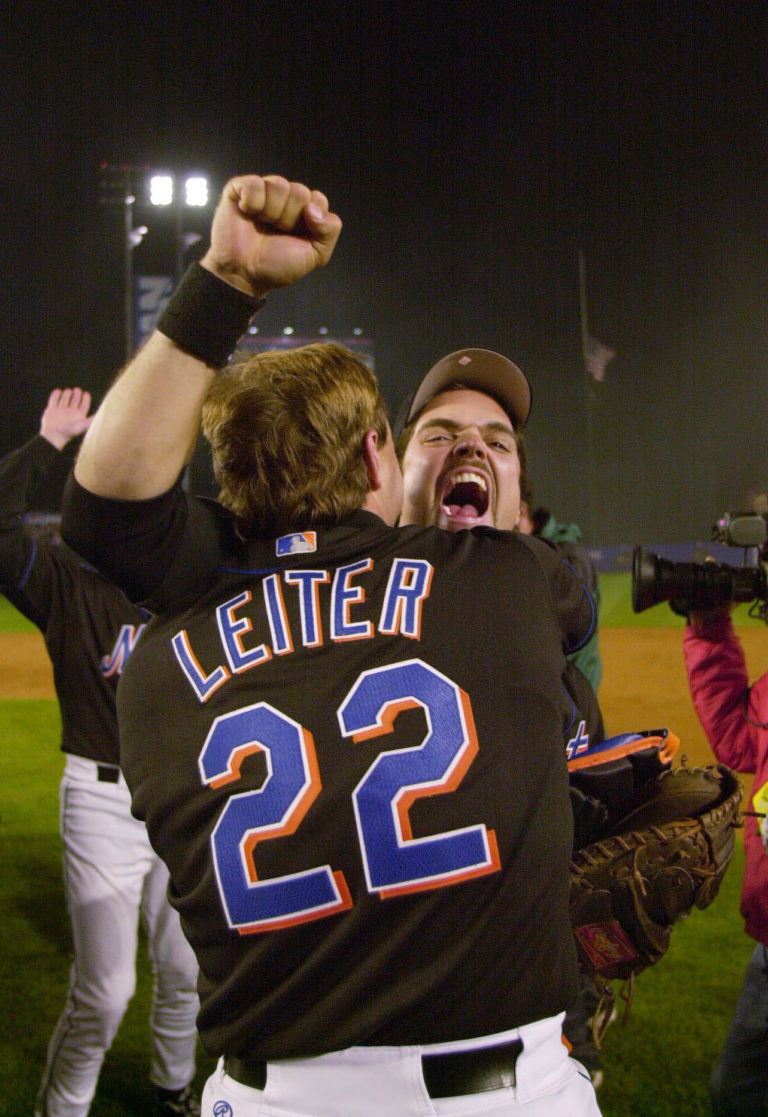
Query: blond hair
point(287, 429)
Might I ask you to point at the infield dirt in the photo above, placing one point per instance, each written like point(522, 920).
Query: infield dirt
point(25, 670)
point(644, 684)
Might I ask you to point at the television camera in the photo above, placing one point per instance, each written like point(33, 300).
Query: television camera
point(702, 585)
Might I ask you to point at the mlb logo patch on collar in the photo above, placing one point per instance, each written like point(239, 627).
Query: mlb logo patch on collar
point(297, 543)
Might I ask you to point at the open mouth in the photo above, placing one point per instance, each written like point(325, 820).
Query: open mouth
point(466, 496)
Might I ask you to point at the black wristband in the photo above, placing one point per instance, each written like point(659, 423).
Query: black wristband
point(206, 317)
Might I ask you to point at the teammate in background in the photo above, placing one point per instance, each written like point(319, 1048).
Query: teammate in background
point(382, 923)
point(462, 448)
point(111, 874)
point(567, 536)
point(735, 719)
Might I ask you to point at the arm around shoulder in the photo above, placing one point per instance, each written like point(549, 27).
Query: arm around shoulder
point(156, 550)
point(572, 602)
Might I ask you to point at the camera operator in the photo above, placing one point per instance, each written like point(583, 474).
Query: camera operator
point(735, 719)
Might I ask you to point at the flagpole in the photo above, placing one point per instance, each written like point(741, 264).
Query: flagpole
point(589, 401)
point(583, 307)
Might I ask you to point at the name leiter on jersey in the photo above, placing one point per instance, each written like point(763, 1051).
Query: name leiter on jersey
point(238, 618)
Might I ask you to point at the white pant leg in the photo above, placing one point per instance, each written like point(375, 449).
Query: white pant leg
point(103, 878)
point(175, 1003)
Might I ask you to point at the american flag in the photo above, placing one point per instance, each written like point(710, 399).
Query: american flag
point(596, 357)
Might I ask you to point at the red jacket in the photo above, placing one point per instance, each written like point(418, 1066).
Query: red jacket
point(735, 719)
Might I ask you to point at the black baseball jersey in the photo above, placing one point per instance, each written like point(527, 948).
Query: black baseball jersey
point(585, 725)
point(348, 749)
point(89, 626)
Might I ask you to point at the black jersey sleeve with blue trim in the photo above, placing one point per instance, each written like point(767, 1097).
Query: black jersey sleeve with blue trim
point(22, 472)
point(573, 604)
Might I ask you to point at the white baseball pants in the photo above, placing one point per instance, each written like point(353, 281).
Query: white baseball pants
point(384, 1081)
point(113, 878)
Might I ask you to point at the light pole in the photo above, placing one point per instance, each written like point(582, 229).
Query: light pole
point(134, 235)
point(117, 186)
point(131, 186)
point(191, 191)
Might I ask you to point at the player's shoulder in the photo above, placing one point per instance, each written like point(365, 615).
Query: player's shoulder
point(480, 540)
point(505, 556)
point(205, 540)
point(549, 557)
point(542, 549)
point(61, 588)
point(536, 550)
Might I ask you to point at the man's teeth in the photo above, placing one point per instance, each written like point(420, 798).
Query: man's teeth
point(470, 479)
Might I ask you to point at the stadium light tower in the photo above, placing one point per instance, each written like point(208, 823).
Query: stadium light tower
point(196, 190)
point(160, 190)
point(190, 191)
point(132, 186)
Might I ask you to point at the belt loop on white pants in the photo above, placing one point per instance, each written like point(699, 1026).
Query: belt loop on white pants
point(382, 1081)
point(92, 771)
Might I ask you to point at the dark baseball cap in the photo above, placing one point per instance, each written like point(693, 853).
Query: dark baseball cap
point(479, 369)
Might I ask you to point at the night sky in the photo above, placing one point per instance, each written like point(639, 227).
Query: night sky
point(472, 150)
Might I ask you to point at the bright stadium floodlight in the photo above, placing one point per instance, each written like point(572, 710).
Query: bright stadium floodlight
point(161, 190)
point(196, 191)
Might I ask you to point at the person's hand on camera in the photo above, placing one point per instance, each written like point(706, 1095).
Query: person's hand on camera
point(713, 615)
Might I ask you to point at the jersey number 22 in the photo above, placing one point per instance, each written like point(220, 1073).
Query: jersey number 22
point(394, 861)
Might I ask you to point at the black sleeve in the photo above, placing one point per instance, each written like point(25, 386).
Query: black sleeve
point(160, 551)
point(23, 472)
point(573, 604)
point(583, 695)
point(580, 560)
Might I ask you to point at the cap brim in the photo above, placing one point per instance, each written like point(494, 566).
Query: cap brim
point(479, 369)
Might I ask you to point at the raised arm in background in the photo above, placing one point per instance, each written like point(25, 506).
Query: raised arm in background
point(25, 470)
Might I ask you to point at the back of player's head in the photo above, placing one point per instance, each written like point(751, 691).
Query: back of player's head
point(287, 430)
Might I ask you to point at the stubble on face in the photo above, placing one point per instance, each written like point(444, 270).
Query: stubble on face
point(461, 468)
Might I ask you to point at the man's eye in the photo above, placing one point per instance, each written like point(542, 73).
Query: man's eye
point(501, 446)
point(439, 437)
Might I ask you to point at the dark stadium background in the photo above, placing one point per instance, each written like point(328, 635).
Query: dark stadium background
point(473, 150)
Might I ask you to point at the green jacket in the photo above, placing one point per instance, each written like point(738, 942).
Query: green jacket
point(567, 538)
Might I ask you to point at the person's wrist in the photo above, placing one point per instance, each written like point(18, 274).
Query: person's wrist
point(709, 623)
point(55, 438)
point(245, 283)
point(207, 315)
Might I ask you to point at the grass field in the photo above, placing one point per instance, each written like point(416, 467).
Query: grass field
point(657, 1063)
point(616, 609)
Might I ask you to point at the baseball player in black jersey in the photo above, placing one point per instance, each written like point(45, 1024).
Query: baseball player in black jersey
point(356, 774)
point(112, 876)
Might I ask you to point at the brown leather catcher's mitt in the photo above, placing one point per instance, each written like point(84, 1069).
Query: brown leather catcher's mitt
point(668, 854)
